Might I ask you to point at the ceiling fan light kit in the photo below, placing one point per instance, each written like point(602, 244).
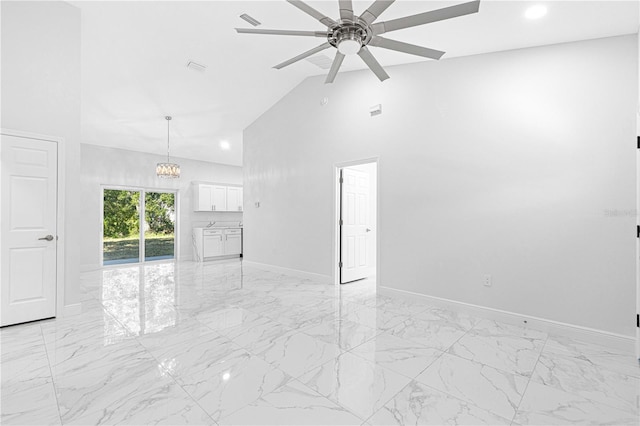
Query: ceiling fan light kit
point(350, 35)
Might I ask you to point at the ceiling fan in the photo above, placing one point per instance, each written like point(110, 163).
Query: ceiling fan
point(352, 34)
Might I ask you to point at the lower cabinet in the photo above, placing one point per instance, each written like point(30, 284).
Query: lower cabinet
point(211, 243)
point(233, 241)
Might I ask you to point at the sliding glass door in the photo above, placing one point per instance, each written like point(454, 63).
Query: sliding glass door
point(159, 225)
point(137, 218)
point(120, 226)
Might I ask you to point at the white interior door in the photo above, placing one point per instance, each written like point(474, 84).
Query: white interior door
point(355, 260)
point(29, 240)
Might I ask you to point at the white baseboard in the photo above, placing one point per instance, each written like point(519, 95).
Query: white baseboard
point(586, 334)
point(73, 309)
point(318, 278)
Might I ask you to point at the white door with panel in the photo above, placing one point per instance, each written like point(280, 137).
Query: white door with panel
point(29, 238)
point(355, 260)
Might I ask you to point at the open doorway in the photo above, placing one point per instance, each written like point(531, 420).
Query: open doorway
point(357, 222)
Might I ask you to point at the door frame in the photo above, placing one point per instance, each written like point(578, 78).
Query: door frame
point(638, 244)
point(337, 204)
point(60, 208)
point(142, 190)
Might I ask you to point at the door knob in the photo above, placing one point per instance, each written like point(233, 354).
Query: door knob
point(368, 230)
point(48, 238)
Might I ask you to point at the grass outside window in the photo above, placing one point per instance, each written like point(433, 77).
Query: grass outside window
point(128, 247)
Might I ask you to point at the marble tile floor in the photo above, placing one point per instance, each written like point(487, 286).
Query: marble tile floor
point(221, 343)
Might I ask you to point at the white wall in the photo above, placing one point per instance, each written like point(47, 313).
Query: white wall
point(103, 166)
point(506, 164)
point(41, 94)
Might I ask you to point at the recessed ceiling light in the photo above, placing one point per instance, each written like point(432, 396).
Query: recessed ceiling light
point(225, 145)
point(536, 11)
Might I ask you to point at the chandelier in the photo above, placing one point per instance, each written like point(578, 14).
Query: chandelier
point(168, 170)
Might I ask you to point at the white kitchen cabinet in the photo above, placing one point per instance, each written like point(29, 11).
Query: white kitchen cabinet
point(232, 241)
point(234, 198)
point(219, 198)
point(203, 197)
point(209, 197)
point(210, 243)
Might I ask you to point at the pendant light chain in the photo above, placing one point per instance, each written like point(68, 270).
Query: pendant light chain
point(168, 117)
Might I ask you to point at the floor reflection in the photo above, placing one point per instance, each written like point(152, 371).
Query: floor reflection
point(142, 297)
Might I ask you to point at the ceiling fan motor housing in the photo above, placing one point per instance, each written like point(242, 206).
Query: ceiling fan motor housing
point(354, 35)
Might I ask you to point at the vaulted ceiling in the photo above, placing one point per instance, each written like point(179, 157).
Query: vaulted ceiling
point(135, 55)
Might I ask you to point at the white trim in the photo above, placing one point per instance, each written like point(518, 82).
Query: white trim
point(90, 267)
point(101, 213)
point(142, 246)
point(638, 218)
point(73, 309)
point(336, 211)
point(318, 278)
point(176, 227)
point(586, 334)
point(60, 219)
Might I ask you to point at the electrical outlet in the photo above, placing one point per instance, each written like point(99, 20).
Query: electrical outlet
point(487, 280)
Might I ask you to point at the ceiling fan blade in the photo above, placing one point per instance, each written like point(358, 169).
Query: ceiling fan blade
point(282, 32)
point(335, 66)
point(314, 13)
point(400, 46)
point(426, 18)
point(346, 9)
point(375, 10)
point(303, 55)
point(371, 62)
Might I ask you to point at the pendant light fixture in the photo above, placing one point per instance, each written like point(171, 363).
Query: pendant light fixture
point(168, 170)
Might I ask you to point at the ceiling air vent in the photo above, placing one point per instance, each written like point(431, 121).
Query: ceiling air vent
point(322, 61)
point(196, 66)
point(250, 20)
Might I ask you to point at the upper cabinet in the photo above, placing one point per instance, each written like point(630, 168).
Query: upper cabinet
point(202, 197)
point(234, 198)
point(219, 198)
point(209, 197)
